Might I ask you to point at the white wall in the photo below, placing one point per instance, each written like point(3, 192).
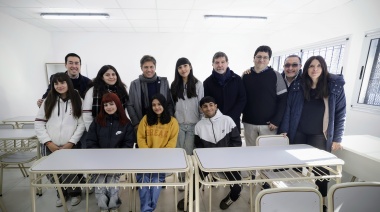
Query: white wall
point(23, 52)
point(355, 19)
point(124, 51)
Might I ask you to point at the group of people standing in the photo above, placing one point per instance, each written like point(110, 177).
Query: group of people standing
point(308, 107)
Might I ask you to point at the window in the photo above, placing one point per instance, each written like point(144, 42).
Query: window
point(368, 87)
point(332, 51)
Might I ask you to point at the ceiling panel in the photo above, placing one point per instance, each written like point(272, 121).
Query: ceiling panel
point(60, 23)
point(96, 29)
point(146, 29)
point(89, 23)
point(138, 4)
point(21, 3)
point(99, 3)
point(116, 23)
point(144, 23)
point(171, 23)
point(140, 14)
point(176, 5)
point(115, 13)
point(16, 13)
point(173, 14)
point(59, 3)
point(122, 29)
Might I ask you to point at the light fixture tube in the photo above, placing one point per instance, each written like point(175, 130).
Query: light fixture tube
point(75, 15)
point(236, 17)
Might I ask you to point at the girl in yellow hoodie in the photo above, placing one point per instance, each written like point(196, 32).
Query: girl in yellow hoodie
point(157, 129)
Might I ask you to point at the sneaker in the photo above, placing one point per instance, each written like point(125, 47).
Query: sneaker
point(226, 202)
point(114, 210)
point(75, 200)
point(103, 210)
point(91, 190)
point(58, 203)
point(181, 188)
point(181, 204)
point(324, 208)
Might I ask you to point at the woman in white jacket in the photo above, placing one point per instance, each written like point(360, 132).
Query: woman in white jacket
point(59, 125)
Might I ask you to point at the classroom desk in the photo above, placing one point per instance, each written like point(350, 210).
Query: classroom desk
point(93, 162)
point(361, 154)
point(17, 121)
point(255, 158)
point(16, 146)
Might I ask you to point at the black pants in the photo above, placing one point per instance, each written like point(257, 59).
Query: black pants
point(235, 189)
point(317, 141)
point(72, 178)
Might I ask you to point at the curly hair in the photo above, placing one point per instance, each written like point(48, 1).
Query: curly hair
point(152, 117)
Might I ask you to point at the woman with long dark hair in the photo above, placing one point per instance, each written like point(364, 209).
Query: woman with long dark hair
point(59, 125)
point(316, 111)
point(111, 129)
point(106, 81)
point(157, 129)
point(186, 91)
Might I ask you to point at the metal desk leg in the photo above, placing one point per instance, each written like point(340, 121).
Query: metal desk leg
point(61, 196)
point(33, 192)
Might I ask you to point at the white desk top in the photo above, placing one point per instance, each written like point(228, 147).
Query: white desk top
point(92, 160)
point(21, 119)
point(240, 158)
point(15, 134)
point(364, 145)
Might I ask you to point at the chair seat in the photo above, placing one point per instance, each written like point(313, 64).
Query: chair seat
point(18, 157)
point(288, 174)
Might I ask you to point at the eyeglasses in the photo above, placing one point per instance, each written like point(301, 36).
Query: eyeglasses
point(261, 57)
point(294, 65)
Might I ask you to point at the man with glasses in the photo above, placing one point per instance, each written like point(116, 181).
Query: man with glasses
point(73, 65)
point(266, 97)
point(292, 69)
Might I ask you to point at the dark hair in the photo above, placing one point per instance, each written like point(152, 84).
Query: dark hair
point(101, 117)
point(219, 54)
point(152, 117)
point(72, 55)
point(294, 55)
point(177, 87)
point(73, 95)
point(147, 58)
point(266, 49)
point(100, 87)
point(322, 84)
point(207, 99)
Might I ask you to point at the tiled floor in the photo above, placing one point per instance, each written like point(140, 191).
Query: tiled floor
point(17, 197)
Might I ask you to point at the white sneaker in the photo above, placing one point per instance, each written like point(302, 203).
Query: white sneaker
point(114, 210)
point(75, 200)
point(58, 203)
point(105, 210)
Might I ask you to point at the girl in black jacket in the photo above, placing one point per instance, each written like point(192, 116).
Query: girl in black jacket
point(110, 129)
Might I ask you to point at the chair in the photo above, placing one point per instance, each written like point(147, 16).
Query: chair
point(277, 140)
point(6, 126)
point(27, 126)
point(354, 196)
point(289, 199)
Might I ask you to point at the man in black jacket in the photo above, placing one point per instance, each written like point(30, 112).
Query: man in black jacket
point(73, 65)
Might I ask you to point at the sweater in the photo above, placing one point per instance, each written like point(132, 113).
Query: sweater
point(231, 98)
point(266, 97)
point(187, 110)
point(334, 116)
point(218, 131)
point(157, 135)
point(60, 129)
point(113, 135)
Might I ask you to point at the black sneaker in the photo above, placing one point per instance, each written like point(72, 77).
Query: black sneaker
point(181, 204)
point(226, 202)
point(324, 208)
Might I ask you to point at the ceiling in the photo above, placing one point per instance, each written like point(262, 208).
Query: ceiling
point(169, 16)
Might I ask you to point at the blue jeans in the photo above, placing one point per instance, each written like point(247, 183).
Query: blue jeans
point(149, 195)
point(186, 138)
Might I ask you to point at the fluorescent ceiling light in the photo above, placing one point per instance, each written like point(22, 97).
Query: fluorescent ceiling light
point(235, 17)
point(75, 15)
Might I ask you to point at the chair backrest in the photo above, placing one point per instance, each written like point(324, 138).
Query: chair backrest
point(354, 196)
point(28, 126)
point(289, 199)
point(272, 140)
point(6, 126)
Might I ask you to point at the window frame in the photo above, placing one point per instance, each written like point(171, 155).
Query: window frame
point(363, 75)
